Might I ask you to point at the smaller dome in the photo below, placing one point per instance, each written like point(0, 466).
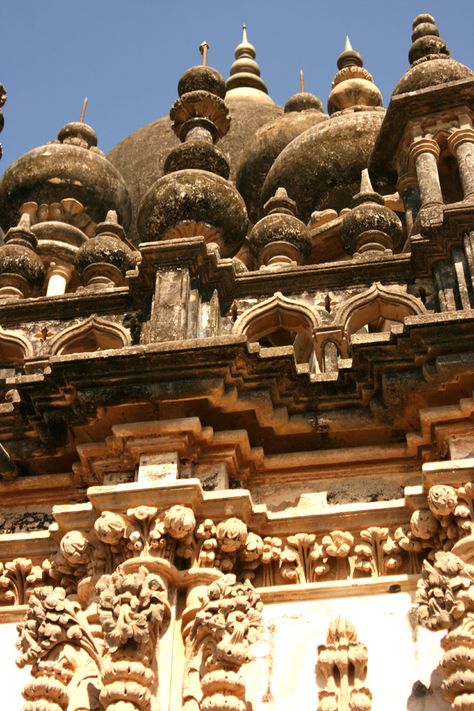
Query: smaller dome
point(370, 227)
point(194, 202)
point(71, 167)
point(279, 230)
point(302, 111)
point(429, 56)
point(107, 247)
point(303, 101)
point(202, 78)
point(17, 255)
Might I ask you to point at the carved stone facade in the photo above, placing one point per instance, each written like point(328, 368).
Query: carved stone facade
point(237, 401)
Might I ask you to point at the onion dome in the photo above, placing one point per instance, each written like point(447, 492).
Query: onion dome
point(370, 227)
point(280, 238)
point(430, 61)
point(194, 197)
point(71, 167)
point(302, 111)
point(21, 270)
point(104, 259)
point(321, 168)
point(245, 80)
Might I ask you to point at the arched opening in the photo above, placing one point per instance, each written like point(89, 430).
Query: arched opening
point(94, 335)
point(13, 351)
point(377, 310)
point(281, 322)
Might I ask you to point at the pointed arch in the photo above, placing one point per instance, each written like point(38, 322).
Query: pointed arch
point(92, 335)
point(14, 347)
point(280, 321)
point(378, 302)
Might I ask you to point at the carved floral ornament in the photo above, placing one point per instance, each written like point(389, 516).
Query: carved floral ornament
point(98, 608)
point(186, 544)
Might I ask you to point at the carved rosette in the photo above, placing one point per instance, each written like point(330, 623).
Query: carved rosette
point(224, 629)
point(341, 670)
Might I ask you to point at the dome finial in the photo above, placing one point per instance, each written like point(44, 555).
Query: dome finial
point(301, 81)
point(353, 85)
point(349, 57)
point(83, 110)
point(426, 42)
point(203, 48)
point(245, 71)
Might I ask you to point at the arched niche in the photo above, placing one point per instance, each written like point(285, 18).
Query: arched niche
point(95, 334)
point(14, 349)
point(376, 310)
point(280, 321)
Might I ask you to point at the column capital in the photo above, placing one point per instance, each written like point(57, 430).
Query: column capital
point(422, 145)
point(458, 136)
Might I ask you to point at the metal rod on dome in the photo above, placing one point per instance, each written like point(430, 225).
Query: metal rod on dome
point(203, 48)
point(301, 81)
point(83, 110)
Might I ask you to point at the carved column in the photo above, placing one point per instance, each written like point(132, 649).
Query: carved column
point(461, 145)
point(445, 599)
point(424, 154)
point(227, 624)
point(58, 278)
point(131, 610)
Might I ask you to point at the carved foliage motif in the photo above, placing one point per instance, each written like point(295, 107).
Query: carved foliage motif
point(175, 535)
point(131, 610)
point(52, 623)
point(445, 599)
point(341, 669)
point(17, 579)
point(224, 629)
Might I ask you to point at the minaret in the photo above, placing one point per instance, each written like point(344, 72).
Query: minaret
point(245, 80)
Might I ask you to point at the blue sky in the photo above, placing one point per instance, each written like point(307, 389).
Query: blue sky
point(127, 55)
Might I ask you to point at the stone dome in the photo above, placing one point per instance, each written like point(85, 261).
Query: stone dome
point(70, 167)
point(190, 197)
point(321, 168)
point(431, 64)
point(302, 111)
point(141, 156)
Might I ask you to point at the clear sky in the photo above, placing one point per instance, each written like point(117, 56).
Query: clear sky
point(126, 56)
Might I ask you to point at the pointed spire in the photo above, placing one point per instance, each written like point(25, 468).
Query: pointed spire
point(245, 71)
point(349, 57)
point(366, 192)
